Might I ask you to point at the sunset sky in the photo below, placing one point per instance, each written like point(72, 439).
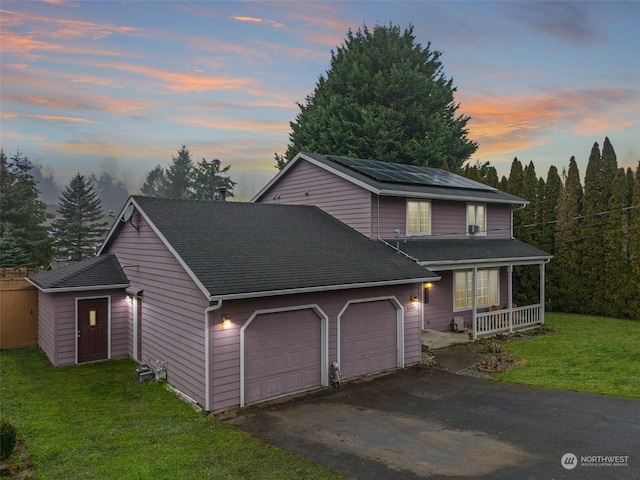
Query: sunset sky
point(113, 86)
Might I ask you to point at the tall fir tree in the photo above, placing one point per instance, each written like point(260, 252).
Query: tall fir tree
point(514, 186)
point(24, 241)
point(616, 272)
point(634, 246)
point(595, 201)
point(526, 279)
point(384, 97)
point(78, 228)
point(548, 220)
point(567, 260)
point(209, 178)
point(154, 183)
point(179, 176)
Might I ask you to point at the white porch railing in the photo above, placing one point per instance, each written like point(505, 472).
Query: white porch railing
point(507, 320)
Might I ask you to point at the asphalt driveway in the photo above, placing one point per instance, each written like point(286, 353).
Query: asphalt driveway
point(435, 424)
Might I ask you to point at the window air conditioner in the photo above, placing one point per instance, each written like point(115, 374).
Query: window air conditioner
point(474, 229)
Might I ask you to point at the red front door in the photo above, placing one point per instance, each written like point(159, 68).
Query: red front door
point(92, 329)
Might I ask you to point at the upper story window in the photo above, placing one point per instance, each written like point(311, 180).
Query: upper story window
point(476, 219)
point(418, 217)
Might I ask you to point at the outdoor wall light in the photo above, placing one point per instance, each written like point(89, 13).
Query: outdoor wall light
point(225, 322)
point(414, 299)
point(425, 291)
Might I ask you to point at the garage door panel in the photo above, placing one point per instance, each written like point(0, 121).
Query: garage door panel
point(282, 354)
point(368, 338)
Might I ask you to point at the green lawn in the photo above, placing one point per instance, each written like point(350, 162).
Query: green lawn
point(586, 354)
point(96, 422)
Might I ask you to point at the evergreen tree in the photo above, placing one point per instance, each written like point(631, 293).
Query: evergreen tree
point(184, 179)
point(568, 262)
point(78, 227)
point(179, 176)
point(491, 178)
point(24, 241)
point(595, 201)
point(616, 272)
point(549, 216)
point(113, 194)
point(634, 247)
point(209, 178)
point(514, 186)
point(526, 280)
point(384, 97)
point(154, 184)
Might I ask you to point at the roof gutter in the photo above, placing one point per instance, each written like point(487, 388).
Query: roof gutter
point(321, 288)
point(89, 288)
point(470, 261)
point(436, 196)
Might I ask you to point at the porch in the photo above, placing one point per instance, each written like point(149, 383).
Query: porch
point(506, 320)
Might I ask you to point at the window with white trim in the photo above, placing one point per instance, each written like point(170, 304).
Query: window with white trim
point(477, 215)
point(418, 217)
point(487, 288)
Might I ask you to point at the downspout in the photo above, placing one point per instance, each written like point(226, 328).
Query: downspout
point(207, 360)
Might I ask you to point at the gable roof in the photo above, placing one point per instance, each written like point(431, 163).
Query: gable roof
point(395, 179)
point(240, 250)
point(448, 252)
point(96, 273)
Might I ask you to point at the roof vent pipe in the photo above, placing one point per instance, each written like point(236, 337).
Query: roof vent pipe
point(222, 194)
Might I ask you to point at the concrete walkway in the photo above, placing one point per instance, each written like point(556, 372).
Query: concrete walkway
point(434, 339)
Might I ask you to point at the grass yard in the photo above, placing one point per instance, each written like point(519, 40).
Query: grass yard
point(586, 354)
point(96, 422)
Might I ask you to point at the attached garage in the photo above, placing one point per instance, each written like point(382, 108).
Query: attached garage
point(370, 337)
point(283, 352)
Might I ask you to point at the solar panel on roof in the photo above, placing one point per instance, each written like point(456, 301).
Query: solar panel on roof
point(408, 174)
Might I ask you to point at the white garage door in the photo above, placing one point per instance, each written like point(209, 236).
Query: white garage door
point(368, 338)
point(282, 354)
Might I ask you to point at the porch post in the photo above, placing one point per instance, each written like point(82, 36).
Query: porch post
point(510, 294)
point(542, 292)
point(474, 279)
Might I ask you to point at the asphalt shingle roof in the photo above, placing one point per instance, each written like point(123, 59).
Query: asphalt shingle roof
point(457, 250)
point(427, 189)
point(102, 271)
point(238, 248)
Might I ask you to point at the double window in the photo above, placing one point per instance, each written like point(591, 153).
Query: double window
point(487, 288)
point(477, 218)
point(418, 217)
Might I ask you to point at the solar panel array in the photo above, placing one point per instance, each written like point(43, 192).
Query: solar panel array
point(409, 174)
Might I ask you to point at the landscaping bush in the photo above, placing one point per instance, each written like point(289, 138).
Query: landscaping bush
point(8, 439)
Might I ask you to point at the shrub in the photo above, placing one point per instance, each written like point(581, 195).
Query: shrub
point(8, 439)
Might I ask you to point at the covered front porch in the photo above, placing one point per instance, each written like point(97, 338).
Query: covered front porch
point(510, 317)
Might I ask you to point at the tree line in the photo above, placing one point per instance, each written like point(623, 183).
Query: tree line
point(31, 236)
point(592, 229)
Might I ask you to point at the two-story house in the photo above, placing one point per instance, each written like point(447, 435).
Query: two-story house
point(454, 226)
point(236, 303)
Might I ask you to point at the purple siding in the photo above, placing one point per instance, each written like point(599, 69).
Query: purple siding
point(225, 344)
point(448, 219)
point(47, 312)
point(338, 197)
point(499, 221)
point(439, 312)
point(57, 324)
point(172, 307)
